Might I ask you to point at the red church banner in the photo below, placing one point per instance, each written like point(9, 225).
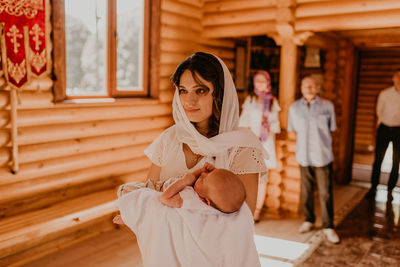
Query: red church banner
point(23, 40)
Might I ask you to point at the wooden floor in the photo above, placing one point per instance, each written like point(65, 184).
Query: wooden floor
point(119, 248)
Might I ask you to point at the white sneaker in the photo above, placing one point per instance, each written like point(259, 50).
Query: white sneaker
point(306, 227)
point(331, 235)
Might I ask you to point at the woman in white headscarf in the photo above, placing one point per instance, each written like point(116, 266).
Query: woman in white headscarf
point(260, 113)
point(206, 114)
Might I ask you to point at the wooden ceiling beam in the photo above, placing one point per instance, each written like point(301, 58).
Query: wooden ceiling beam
point(344, 7)
point(368, 20)
point(238, 30)
point(221, 6)
point(242, 16)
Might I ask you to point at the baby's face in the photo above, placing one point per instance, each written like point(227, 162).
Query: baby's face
point(201, 184)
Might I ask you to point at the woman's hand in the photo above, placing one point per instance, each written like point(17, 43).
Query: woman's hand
point(118, 220)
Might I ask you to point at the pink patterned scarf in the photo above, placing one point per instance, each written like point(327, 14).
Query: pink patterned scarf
point(267, 104)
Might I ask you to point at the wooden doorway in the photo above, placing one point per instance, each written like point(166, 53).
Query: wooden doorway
point(375, 70)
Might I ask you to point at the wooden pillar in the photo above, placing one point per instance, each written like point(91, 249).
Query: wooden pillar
point(287, 78)
point(346, 143)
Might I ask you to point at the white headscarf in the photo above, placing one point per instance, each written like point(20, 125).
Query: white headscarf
point(230, 135)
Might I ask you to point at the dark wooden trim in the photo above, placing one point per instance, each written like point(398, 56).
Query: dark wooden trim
point(155, 51)
point(58, 39)
point(348, 116)
point(111, 81)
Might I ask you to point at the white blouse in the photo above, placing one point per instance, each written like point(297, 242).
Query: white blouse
point(251, 117)
point(167, 152)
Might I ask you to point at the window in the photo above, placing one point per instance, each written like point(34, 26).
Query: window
point(102, 47)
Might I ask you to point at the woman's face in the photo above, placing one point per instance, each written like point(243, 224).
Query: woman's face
point(261, 83)
point(196, 99)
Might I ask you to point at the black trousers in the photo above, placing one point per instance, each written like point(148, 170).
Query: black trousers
point(323, 177)
point(384, 136)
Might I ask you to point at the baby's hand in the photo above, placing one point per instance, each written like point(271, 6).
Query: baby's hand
point(208, 167)
point(118, 220)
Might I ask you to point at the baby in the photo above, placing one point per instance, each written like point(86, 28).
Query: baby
point(218, 188)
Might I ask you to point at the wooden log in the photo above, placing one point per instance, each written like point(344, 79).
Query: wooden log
point(291, 197)
point(117, 170)
point(4, 137)
point(344, 7)
point(65, 217)
point(26, 256)
point(274, 190)
point(38, 152)
point(70, 163)
point(291, 184)
point(178, 33)
point(169, 18)
point(290, 207)
point(223, 43)
point(292, 172)
point(381, 19)
point(140, 176)
point(182, 9)
point(221, 6)
point(164, 96)
point(196, 3)
point(53, 116)
point(33, 202)
point(227, 55)
point(166, 71)
point(35, 135)
point(39, 84)
point(171, 45)
point(381, 41)
point(166, 84)
point(173, 58)
point(4, 118)
point(239, 30)
point(29, 100)
point(241, 16)
point(5, 156)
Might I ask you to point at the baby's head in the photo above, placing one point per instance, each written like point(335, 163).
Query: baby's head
point(221, 189)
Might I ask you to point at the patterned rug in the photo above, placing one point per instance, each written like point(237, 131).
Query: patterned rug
point(317, 238)
point(370, 236)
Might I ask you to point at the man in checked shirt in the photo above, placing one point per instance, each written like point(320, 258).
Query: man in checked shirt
point(313, 120)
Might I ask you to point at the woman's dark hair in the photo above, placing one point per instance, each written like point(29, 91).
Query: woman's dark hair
point(209, 68)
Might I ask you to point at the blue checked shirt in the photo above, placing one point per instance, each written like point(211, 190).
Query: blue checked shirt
point(313, 125)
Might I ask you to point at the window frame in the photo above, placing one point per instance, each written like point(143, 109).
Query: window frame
point(151, 53)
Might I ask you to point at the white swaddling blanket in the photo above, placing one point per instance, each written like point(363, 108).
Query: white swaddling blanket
point(194, 235)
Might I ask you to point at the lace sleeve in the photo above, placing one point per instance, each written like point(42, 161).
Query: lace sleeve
point(155, 150)
point(248, 160)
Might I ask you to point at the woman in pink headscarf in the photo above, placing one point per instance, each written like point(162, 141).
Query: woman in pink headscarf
point(260, 113)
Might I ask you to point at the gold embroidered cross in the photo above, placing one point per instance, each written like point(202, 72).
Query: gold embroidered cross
point(14, 34)
point(36, 32)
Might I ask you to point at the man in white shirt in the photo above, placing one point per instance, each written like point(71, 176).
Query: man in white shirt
point(388, 113)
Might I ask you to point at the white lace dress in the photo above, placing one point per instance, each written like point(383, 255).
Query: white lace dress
point(167, 152)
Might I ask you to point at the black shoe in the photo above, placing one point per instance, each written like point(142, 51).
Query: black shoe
point(389, 196)
point(371, 193)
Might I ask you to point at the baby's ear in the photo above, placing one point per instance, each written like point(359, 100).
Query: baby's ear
point(207, 201)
